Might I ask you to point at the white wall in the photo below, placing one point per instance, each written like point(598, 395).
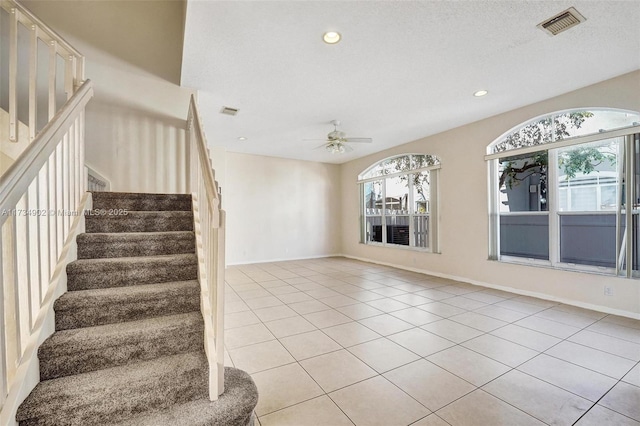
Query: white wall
point(464, 206)
point(135, 124)
point(10, 151)
point(280, 209)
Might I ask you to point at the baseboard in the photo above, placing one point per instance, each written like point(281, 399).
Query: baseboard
point(320, 256)
point(28, 373)
point(599, 308)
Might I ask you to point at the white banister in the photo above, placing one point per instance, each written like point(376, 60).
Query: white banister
point(209, 220)
point(41, 204)
point(21, 75)
point(42, 197)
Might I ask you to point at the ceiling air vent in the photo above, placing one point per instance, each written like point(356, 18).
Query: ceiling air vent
point(228, 110)
point(562, 22)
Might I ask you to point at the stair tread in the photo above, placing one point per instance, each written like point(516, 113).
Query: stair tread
point(233, 408)
point(140, 213)
point(118, 262)
point(120, 294)
point(99, 237)
point(146, 220)
point(113, 245)
point(85, 274)
point(81, 339)
point(140, 201)
point(146, 195)
point(99, 397)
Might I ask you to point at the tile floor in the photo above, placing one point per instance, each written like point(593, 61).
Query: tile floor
point(340, 342)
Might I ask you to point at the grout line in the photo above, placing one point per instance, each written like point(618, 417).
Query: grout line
point(392, 276)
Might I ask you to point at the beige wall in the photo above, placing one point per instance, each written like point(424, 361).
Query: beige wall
point(463, 207)
point(280, 209)
point(136, 120)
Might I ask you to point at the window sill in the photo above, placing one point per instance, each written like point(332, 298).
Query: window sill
point(570, 267)
point(399, 247)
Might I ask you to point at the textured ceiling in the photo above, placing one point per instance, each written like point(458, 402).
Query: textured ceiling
point(403, 70)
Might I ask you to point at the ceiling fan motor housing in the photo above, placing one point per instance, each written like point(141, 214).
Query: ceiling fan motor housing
point(336, 135)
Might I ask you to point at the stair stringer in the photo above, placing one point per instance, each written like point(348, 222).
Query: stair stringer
point(27, 375)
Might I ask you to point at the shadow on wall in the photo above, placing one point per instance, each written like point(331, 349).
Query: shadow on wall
point(138, 150)
point(146, 34)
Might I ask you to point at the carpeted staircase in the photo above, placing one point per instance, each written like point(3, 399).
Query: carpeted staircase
point(128, 346)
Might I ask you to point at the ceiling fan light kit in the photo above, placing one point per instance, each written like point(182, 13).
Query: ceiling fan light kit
point(335, 148)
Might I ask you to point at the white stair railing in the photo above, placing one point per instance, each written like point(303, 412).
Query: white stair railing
point(42, 198)
point(42, 193)
point(63, 70)
point(209, 221)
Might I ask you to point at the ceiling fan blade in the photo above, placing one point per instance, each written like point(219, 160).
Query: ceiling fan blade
point(347, 148)
point(314, 139)
point(324, 145)
point(359, 140)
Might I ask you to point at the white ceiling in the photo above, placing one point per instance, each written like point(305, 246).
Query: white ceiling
point(403, 70)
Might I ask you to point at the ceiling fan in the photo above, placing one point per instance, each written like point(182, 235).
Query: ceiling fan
point(337, 140)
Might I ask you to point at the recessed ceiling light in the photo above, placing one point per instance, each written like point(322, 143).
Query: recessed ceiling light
point(331, 37)
point(480, 93)
point(242, 138)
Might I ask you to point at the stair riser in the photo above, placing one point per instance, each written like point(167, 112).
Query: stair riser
point(57, 363)
point(91, 250)
point(139, 202)
point(71, 316)
point(133, 275)
point(138, 223)
point(139, 396)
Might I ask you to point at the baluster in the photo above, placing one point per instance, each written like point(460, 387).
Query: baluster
point(3, 340)
point(44, 228)
point(59, 201)
point(13, 75)
point(68, 75)
point(79, 72)
point(83, 181)
point(9, 280)
point(22, 276)
point(64, 187)
point(33, 89)
point(33, 253)
point(52, 78)
point(73, 200)
point(51, 180)
point(76, 162)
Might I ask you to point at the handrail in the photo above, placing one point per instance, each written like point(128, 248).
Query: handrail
point(18, 74)
point(17, 178)
point(203, 157)
point(209, 221)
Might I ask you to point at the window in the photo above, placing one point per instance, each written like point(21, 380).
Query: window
point(559, 186)
point(398, 199)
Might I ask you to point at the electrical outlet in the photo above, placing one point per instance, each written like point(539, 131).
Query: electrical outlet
point(608, 291)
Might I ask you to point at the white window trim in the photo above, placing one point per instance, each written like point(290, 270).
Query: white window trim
point(432, 215)
point(626, 134)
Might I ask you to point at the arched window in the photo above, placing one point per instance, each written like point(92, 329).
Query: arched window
point(559, 185)
point(398, 199)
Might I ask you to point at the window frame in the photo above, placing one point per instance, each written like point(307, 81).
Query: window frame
point(623, 212)
point(432, 213)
